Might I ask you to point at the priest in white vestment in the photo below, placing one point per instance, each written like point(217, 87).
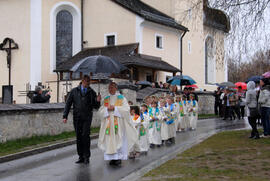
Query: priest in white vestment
point(117, 135)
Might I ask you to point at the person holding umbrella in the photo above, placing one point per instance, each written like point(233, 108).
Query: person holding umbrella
point(241, 95)
point(264, 101)
point(252, 110)
point(84, 100)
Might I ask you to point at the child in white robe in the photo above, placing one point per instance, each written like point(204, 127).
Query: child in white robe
point(154, 125)
point(135, 120)
point(186, 120)
point(181, 111)
point(168, 131)
point(143, 129)
point(193, 111)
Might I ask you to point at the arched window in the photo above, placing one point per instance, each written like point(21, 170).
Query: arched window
point(65, 32)
point(64, 26)
point(210, 62)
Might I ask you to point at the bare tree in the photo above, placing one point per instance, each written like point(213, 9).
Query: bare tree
point(258, 64)
point(248, 21)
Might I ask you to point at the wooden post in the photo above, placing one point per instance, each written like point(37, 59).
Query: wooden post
point(61, 75)
point(81, 75)
point(154, 77)
point(70, 75)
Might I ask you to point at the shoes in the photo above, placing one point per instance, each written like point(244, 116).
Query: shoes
point(262, 136)
point(112, 162)
point(131, 156)
point(118, 162)
point(252, 136)
point(81, 160)
point(257, 137)
point(168, 142)
point(115, 162)
point(86, 161)
point(152, 146)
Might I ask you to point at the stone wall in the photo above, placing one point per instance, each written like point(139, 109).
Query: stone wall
point(206, 101)
point(27, 120)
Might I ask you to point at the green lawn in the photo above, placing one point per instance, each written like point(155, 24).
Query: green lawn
point(207, 116)
point(18, 145)
point(225, 156)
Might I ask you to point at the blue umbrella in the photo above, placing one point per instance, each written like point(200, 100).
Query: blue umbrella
point(255, 78)
point(181, 80)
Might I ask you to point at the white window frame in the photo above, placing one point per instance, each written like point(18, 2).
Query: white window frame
point(190, 14)
point(162, 41)
point(189, 47)
point(110, 34)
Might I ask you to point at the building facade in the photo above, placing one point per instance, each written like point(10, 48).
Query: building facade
point(50, 31)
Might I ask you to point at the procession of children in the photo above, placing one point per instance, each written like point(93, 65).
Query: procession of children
point(158, 120)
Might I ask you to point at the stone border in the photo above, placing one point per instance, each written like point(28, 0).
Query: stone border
point(40, 150)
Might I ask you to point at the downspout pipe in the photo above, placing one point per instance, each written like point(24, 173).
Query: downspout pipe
point(58, 81)
point(181, 51)
point(82, 7)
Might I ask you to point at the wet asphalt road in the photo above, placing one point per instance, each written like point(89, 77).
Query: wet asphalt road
point(58, 165)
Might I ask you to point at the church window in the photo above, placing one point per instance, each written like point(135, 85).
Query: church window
point(210, 62)
point(64, 27)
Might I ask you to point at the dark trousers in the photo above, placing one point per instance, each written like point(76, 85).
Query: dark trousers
point(265, 114)
point(228, 112)
point(82, 129)
point(217, 108)
point(235, 111)
point(222, 109)
point(253, 124)
point(242, 111)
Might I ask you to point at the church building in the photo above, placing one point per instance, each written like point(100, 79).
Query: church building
point(171, 34)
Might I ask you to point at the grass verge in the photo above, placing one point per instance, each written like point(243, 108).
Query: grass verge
point(226, 156)
point(24, 144)
point(207, 116)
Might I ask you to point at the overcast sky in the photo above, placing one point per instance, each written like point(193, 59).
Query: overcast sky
point(257, 39)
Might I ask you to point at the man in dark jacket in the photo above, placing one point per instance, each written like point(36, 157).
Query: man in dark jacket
point(84, 100)
point(40, 96)
point(217, 94)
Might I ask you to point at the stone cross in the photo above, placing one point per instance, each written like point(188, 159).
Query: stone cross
point(8, 45)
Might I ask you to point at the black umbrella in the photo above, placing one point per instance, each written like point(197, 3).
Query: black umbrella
point(226, 84)
point(102, 66)
point(255, 78)
point(98, 64)
point(126, 84)
point(144, 82)
point(99, 77)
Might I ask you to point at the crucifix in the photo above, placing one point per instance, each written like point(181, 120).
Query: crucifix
point(8, 45)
